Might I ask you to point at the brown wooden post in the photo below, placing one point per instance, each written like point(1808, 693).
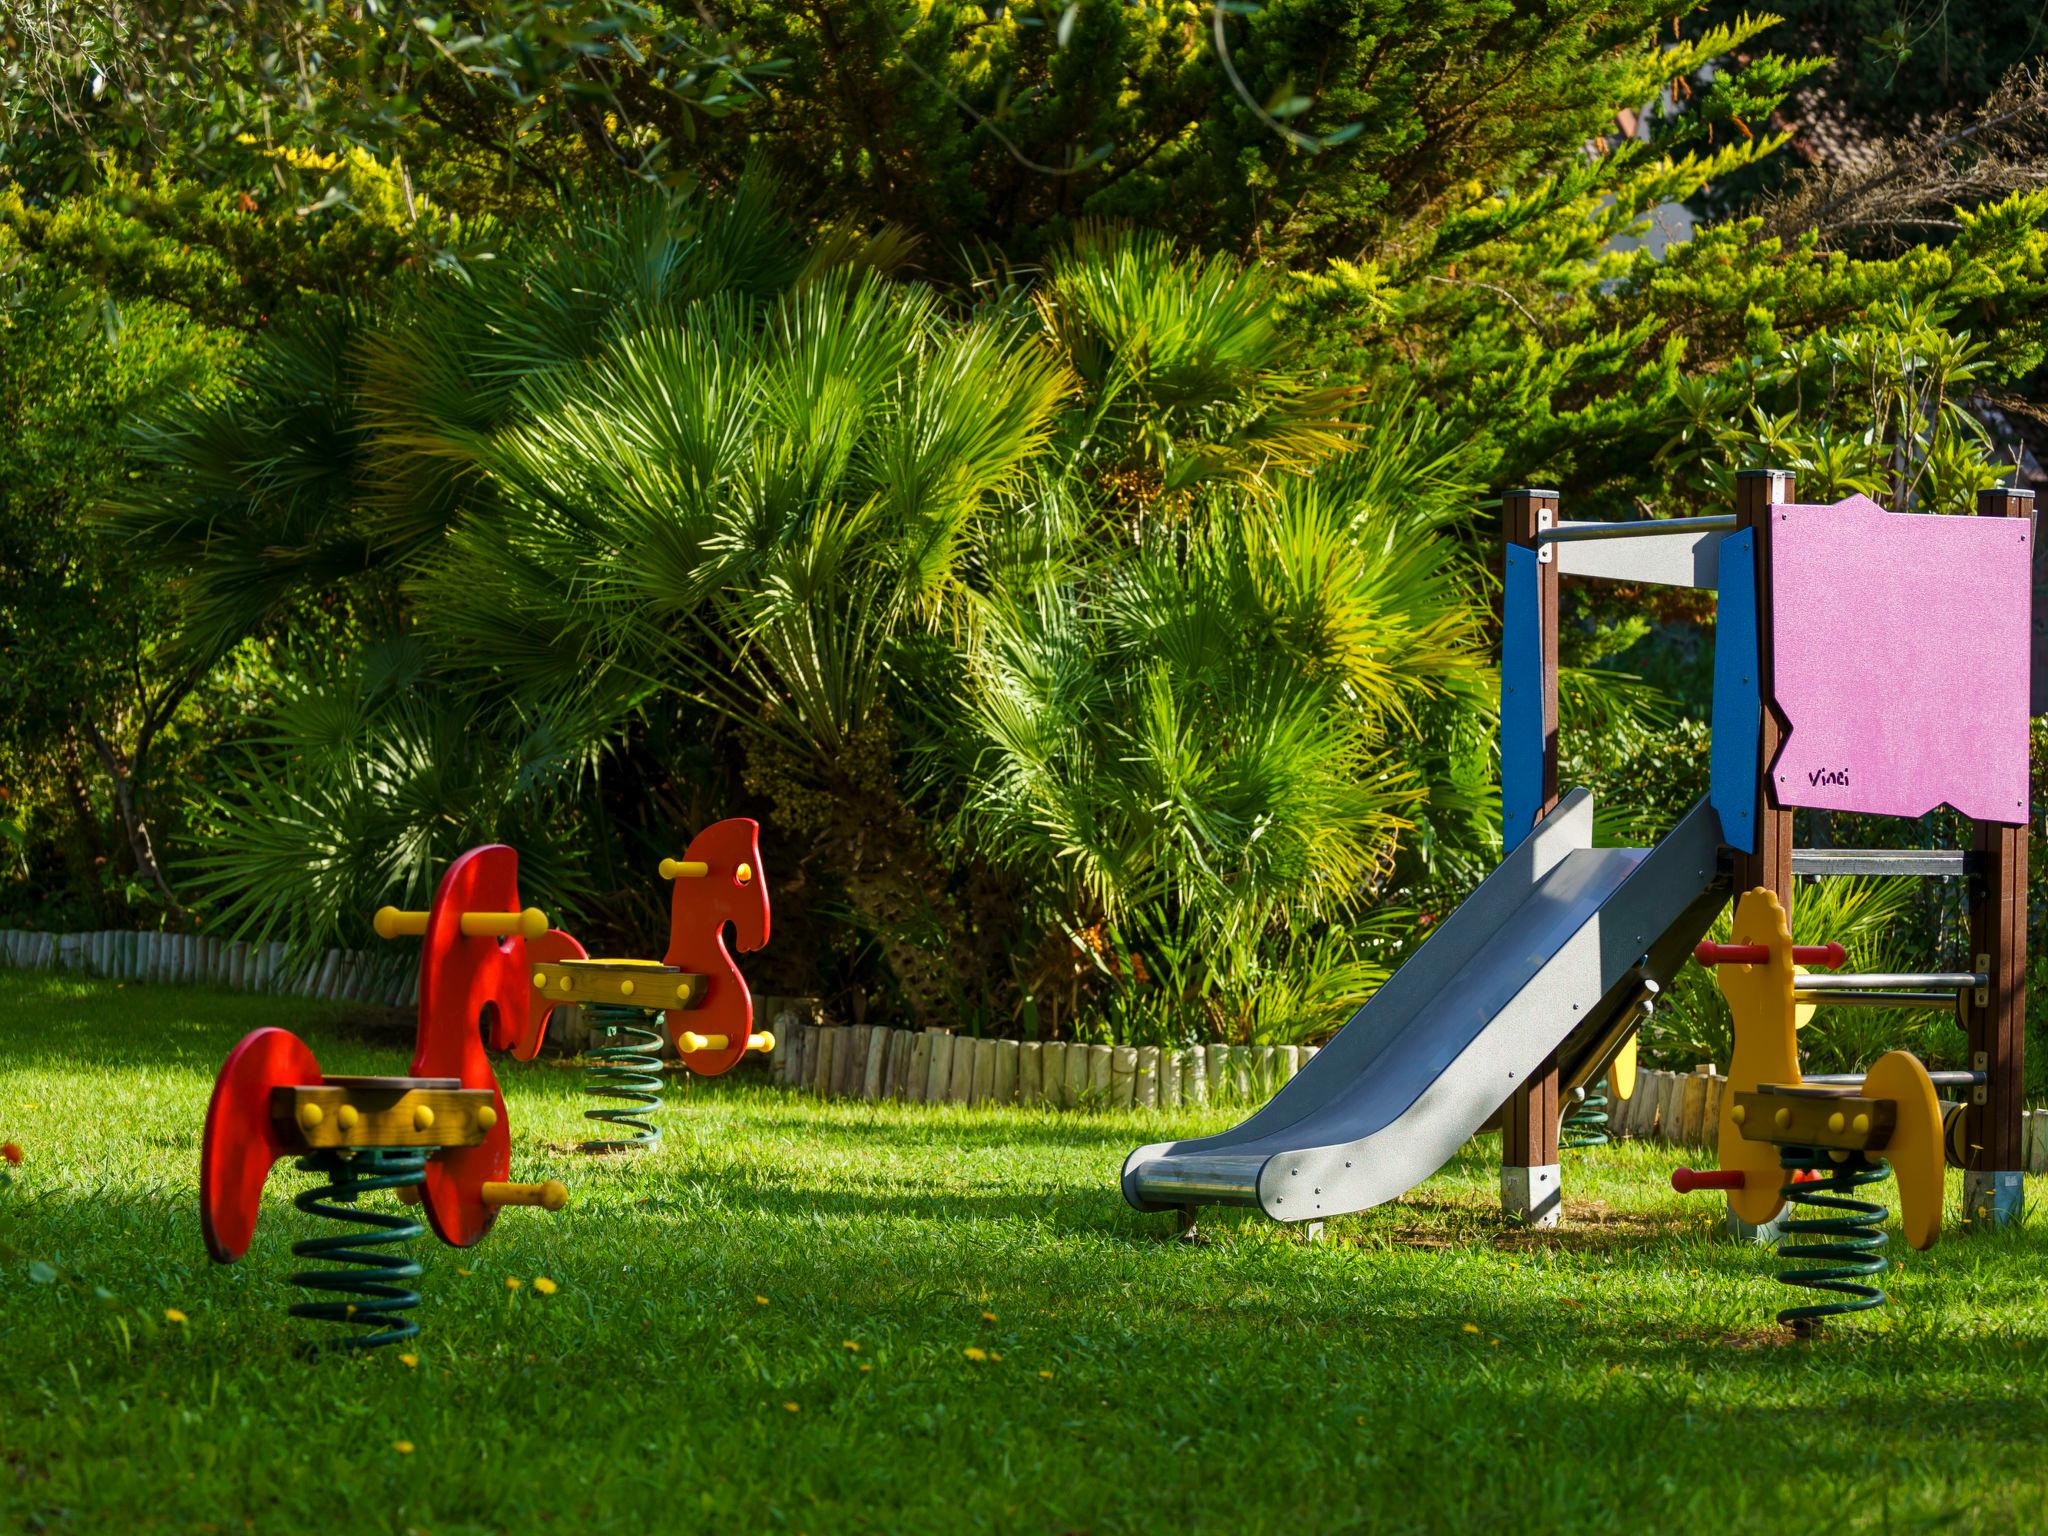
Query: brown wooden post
point(1771, 865)
point(1993, 1124)
point(1529, 1175)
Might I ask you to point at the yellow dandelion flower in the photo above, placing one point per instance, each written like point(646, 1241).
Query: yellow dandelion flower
point(865, 1368)
point(410, 1362)
point(513, 1282)
point(544, 1285)
point(849, 1344)
point(976, 1355)
point(791, 1408)
point(1045, 1375)
point(1471, 1327)
point(461, 1271)
point(760, 1301)
point(988, 1317)
point(173, 1315)
point(403, 1447)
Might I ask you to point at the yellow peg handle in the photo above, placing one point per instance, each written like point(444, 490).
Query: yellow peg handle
point(530, 924)
point(689, 1042)
point(391, 923)
point(684, 869)
point(551, 1196)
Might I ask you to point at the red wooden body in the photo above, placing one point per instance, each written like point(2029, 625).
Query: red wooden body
point(469, 986)
point(241, 1142)
point(698, 913)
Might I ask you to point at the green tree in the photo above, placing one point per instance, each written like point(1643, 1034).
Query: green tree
point(101, 705)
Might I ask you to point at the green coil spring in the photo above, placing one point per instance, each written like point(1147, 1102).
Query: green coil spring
point(626, 1067)
point(1586, 1124)
point(1852, 1239)
point(369, 1295)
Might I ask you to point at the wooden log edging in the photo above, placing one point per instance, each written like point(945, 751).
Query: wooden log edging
point(877, 1064)
point(873, 1062)
point(387, 978)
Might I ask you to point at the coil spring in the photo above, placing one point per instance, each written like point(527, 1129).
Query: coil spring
point(1857, 1249)
point(370, 1300)
point(1586, 1123)
point(628, 1068)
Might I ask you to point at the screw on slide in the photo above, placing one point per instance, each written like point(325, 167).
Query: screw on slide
point(368, 1294)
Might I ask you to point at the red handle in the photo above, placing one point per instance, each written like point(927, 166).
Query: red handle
point(1828, 957)
point(1686, 1180)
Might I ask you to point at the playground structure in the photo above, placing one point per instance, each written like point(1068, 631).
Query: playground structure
point(1785, 1140)
point(1836, 686)
point(492, 973)
point(439, 1136)
point(718, 880)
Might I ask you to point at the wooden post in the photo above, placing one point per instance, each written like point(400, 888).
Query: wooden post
point(1529, 1154)
point(1074, 1085)
point(1771, 865)
point(1993, 1128)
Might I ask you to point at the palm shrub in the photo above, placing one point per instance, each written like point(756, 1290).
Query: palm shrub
point(763, 511)
point(361, 783)
point(675, 494)
point(1198, 677)
point(1189, 740)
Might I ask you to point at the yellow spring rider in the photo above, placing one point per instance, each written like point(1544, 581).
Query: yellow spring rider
point(1787, 1142)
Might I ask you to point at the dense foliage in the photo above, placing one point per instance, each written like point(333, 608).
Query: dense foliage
point(1038, 460)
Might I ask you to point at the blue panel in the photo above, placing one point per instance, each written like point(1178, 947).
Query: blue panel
point(1738, 694)
point(1521, 697)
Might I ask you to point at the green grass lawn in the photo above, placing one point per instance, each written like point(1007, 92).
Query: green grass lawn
point(808, 1317)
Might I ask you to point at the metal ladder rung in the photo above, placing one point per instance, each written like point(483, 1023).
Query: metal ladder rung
point(1935, 863)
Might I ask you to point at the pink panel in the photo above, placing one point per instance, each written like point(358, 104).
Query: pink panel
point(1900, 649)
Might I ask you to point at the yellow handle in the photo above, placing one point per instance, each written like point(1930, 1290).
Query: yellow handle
point(391, 923)
point(530, 924)
point(689, 1042)
point(551, 1196)
point(684, 869)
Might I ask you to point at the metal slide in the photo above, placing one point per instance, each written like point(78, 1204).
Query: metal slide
point(1555, 952)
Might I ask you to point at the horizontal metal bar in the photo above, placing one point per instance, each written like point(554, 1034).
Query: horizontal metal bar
point(1877, 981)
point(1934, 862)
point(1580, 533)
point(1218, 1179)
point(1879, 999)
point(1855, 1079)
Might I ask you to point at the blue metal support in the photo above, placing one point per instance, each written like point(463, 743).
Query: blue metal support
point(1521, 696)
point(1732, 759)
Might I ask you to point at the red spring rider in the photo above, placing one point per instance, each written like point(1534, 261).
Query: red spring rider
point(696, 986)
point(439, 1137)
